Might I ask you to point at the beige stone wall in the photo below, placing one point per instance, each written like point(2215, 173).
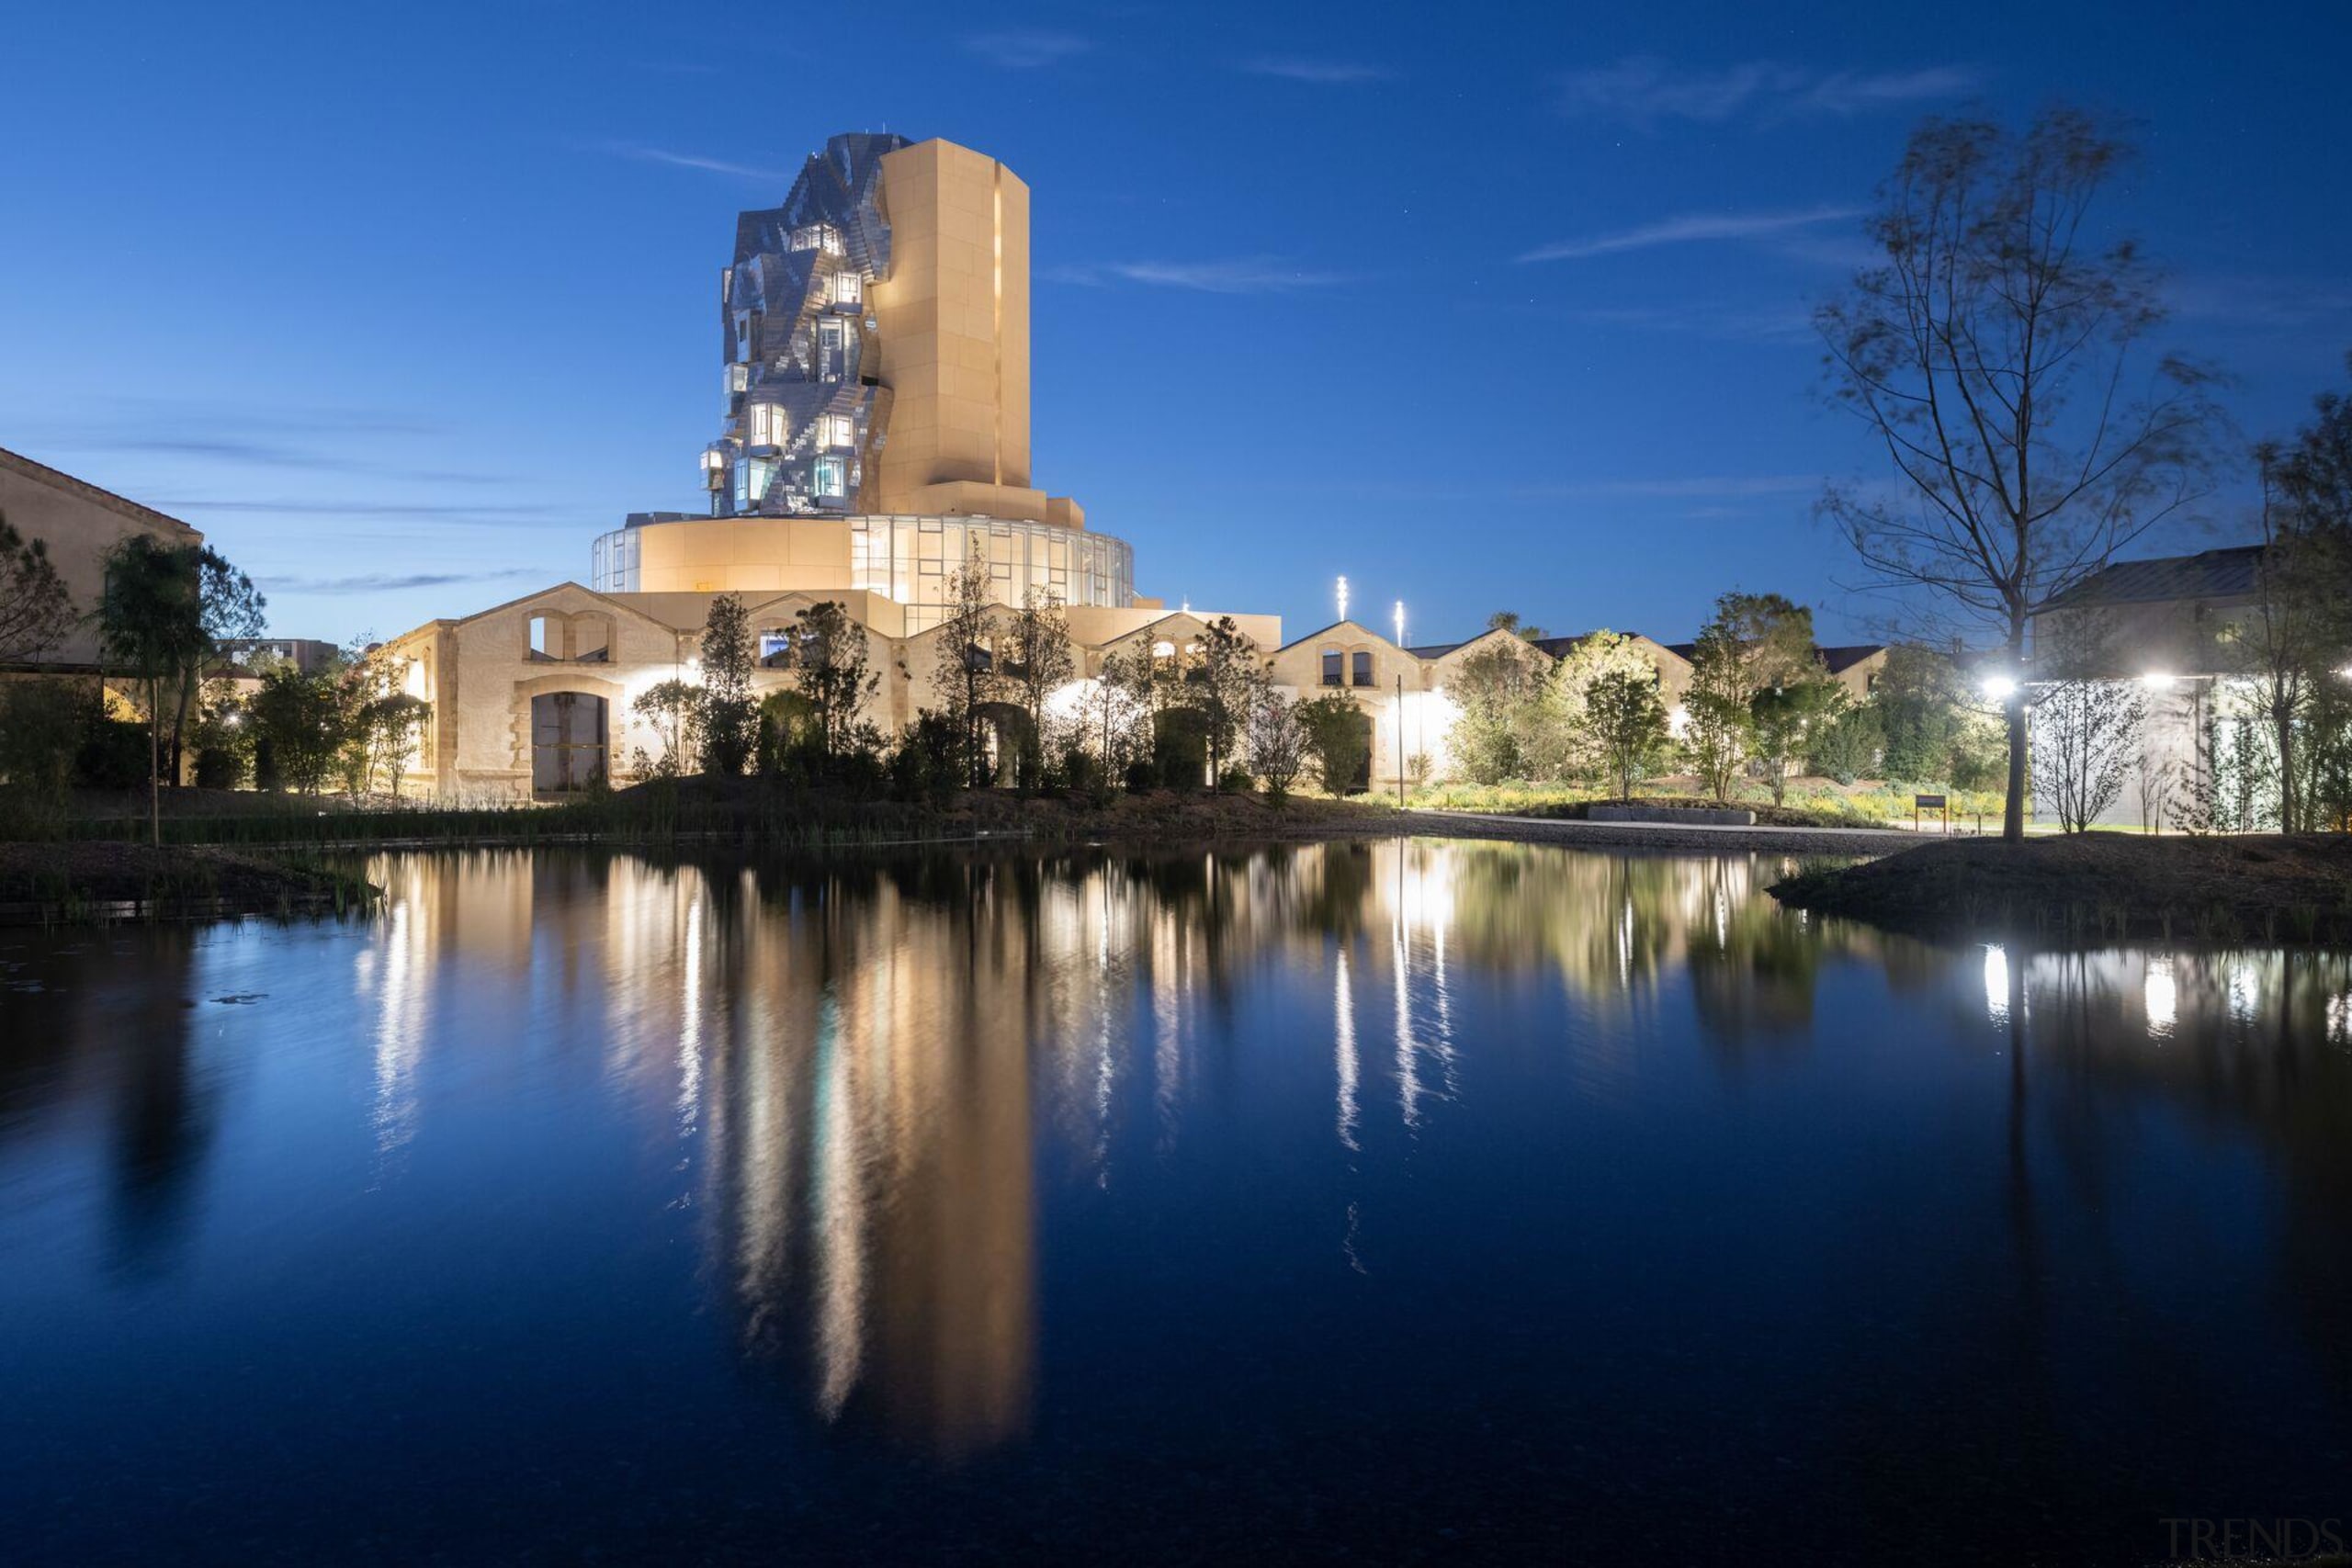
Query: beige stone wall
point(954, 318)
point(743, 555)
point(81, 523)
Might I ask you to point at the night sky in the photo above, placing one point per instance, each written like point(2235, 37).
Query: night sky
point(1484, 305)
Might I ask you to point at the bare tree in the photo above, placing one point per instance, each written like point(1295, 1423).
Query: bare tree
point(1276, 739)
point(2087, 726)
point(1995, 354)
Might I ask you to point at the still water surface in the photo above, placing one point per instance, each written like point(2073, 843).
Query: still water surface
point(1421, 1201)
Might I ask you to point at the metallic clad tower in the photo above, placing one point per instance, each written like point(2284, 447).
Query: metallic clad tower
point(806, 409)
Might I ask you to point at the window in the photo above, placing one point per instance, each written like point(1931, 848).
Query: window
point(1363, 668)
point(840, 429)
point(546, 638)
point(770, 425)
point(1332, 667)
point(831, 348)
point(849, 288)
point(832, 477)
point(739, 378)
point(743, 334)
point(805, 239)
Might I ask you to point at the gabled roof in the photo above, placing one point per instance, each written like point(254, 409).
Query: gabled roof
point(1557, 646)
point(122, 505)
point(2227, 573)
point(1353, 628)
point(621, 605)
point(1835, 659)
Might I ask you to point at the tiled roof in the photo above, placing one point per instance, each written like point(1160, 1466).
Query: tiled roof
point(2210, 574)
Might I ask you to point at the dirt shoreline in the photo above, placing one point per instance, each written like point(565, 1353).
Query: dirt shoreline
point(101, 882)
point(2098, 887)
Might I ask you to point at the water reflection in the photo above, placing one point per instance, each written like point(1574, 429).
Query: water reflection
point(862, 1094)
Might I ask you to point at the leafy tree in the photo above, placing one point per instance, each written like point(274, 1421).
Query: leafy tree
point(1624, 720)
point(1499, 702)
point(1586, 661)
point(966, 679)
point(674, 708)
point(42, 724)
point(1039, 661)
point(729, 720)
point(151, 624)
point(1276, 739)
point(1509, 621)
point(1936, 730)
point(1786, 722)
point(1224, 686)
point(1848, 747)
point(300, 721)
point(35, 610)
point(1339, 741)
point(1993, 353)
point(1118, 709)
point(1720, 725)
point(829, 658)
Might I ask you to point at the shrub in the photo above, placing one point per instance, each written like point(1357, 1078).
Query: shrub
point(41, 728)
point(1143, 776)
point(218, 767)
point(113, 755)
point(1235, 781)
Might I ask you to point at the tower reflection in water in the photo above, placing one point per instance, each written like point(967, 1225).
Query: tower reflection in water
point(862, 1066)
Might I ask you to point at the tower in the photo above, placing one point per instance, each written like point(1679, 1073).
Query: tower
point(875, 328)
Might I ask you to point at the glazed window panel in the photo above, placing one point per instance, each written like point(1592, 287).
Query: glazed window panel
point(1363, 668)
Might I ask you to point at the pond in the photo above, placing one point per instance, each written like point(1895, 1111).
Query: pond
point(1417, 1201)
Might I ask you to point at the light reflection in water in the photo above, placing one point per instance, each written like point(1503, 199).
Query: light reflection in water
point(862, 1063)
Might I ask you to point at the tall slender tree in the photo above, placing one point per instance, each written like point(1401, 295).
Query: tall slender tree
point(1995, 355)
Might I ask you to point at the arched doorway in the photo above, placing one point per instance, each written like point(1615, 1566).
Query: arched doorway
point(569, 741)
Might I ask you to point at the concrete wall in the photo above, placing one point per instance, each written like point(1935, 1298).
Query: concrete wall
point(953, 317)
point(81, 525)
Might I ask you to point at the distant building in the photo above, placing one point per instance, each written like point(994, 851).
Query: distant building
point(81, 524)
point(874, 438)
point(241, 655)
point(2162, 625)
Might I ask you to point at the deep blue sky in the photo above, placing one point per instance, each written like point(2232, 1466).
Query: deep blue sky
point(402, 305)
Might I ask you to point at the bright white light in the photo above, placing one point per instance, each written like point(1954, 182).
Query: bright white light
point(1996, 984)
point(2159, 680)
point(2000, 688)
point(1400, 622)
point(2163, 994)
point(1343, 598)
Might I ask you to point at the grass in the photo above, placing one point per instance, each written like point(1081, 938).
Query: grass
point(1814, 802)
point(730, 810)
point(2098, 887)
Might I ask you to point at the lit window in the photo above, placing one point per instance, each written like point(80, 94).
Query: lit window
point(1332, 667)
point(832, 477)
point(840, 429)
point(831, 340)
point(739, 378)
point(770, 425)
point(849, 288)
point(805, 239)
point(1363, 668)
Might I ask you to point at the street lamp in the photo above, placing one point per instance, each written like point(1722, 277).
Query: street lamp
point(2000, 688)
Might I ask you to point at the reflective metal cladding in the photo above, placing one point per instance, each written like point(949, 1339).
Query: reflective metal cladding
point(805, 409)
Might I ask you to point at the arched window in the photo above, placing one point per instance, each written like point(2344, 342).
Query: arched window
point(1334, 667)
point(1362, 668)
point(546, 637)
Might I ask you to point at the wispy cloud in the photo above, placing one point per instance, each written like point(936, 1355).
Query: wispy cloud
point(1027, 48)
point(418, 512)
point(1691, 228)
point(1246, 275)
point(1646, 92)
point(139, 440)
point(1322, 73)
point(386, 581)
point(695, 161)
point(2259, 304)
